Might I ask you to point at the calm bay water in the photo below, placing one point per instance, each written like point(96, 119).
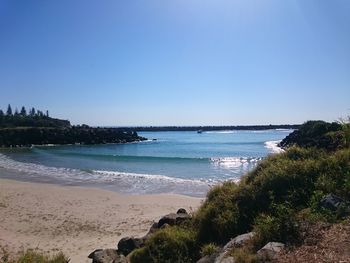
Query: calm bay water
point(176, 162)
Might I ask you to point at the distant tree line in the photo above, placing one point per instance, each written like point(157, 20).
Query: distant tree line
point(29, 118)
point(212, 128)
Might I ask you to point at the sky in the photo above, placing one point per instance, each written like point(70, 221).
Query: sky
point(179, 62)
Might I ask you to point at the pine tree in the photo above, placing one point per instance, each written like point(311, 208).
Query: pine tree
point(32, 112)
point(47, 113)
point(9, 110)
point(39, 113)
point(23, 111)
point(1, 113)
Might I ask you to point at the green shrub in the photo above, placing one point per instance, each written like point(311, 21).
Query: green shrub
point(172, 244)
point(217, 214)
point(227, 212)
point(280, 226)
point(318, 134)
point(334, 176)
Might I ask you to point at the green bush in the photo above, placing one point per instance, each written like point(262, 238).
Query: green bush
point(280, 226)
point(171, 244)
point(318, 134)
point(217, 216)
point(335, 174)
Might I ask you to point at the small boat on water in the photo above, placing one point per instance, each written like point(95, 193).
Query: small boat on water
point(199, 131)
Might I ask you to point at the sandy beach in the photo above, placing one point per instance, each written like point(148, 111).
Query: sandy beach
point(77, 220)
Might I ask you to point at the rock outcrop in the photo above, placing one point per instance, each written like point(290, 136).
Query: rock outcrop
point(270, 250)
point(223, 255)
point(128, 244)
point(174, 219)
point(107, 256)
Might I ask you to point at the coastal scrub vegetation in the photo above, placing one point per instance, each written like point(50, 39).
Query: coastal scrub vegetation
point(168, 245)
point(273, 200)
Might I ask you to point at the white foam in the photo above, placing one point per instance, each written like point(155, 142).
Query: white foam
point(225, 131)
point(233, 162)
point(149, 177)
point(273, 146)
point(114, 180)
point(37, 169)
point(284, 130)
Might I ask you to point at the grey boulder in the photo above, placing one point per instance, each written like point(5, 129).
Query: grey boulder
point(270, 250)
point(236, 242)
point(174, 219)
point(128, 244)
point(107, 256)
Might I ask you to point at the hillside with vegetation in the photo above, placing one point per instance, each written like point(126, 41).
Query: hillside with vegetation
point(20, 128)
point(287, 198)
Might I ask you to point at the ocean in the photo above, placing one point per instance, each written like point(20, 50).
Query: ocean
point(180, 162)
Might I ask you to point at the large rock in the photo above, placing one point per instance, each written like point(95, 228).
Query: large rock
point(154, 228)
point(270, 250)
point(174, 219)
point(236, 242)
point(228, 260)
point(335, 204)
point(331, 202)
point(128, 244)
point(239, 241)
point(181, 211)
point(107, 256)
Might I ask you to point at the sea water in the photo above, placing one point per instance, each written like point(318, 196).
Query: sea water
point(182, 162)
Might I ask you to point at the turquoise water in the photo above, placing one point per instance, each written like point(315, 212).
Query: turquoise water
point(177, 162)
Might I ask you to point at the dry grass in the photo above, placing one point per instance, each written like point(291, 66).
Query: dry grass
point(31, 256)
point(323, 243)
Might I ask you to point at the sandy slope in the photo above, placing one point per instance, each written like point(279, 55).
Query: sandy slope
point(77, 220)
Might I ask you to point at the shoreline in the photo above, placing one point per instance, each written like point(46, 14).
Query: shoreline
point(77, 220)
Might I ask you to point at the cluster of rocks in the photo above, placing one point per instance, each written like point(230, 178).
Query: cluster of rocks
point(269, 251)
point(127, 244)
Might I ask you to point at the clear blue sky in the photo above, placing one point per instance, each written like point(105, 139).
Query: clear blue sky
point(177, 62)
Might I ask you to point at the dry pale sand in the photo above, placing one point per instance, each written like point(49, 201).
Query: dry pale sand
point(77, 220)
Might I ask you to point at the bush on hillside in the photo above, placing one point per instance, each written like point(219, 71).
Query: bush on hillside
point(171, 244)
point(279, 226)
point(318, 134)
point(291, 177)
